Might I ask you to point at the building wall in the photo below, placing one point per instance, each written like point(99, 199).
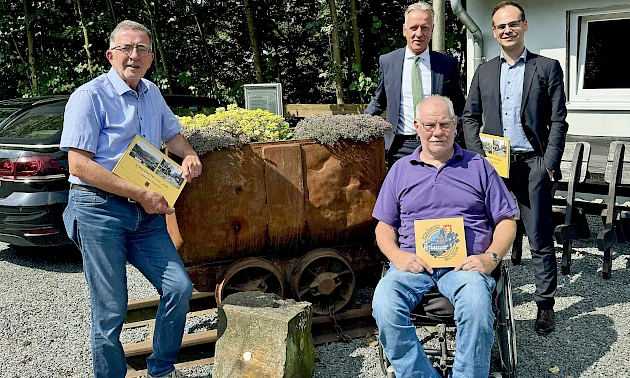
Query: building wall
point(549, 35)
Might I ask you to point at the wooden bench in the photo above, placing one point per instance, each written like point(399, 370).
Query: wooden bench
point(614, 214)
point(575, 225)
point(574, 166)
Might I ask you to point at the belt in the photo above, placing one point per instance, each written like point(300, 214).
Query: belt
point(407, 137)
point(517, 157)
point(88, 188)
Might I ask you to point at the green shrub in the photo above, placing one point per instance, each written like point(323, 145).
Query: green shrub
point(330, 129)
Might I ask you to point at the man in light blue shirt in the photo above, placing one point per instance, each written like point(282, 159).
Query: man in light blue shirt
point(114, 222)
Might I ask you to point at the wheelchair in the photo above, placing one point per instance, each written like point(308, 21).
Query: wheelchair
point(435, 313)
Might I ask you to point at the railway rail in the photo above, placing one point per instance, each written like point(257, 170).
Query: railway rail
point(198, 348)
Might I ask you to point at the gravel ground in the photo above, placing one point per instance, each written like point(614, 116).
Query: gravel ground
point(44, 319)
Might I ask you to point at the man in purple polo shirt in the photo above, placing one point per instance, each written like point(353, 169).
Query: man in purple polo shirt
point(440, 180)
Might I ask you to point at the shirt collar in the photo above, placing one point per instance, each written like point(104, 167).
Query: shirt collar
point(423, 56)
point(120, 86)
point(523, 57)
point(415, 159)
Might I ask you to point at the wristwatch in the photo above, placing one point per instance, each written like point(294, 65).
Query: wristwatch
point(494, 257)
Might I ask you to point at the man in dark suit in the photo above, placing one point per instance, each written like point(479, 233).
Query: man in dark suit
point(520, 95)
point(399, 93)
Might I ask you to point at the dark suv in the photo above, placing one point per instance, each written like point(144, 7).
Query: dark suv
point(34, 171)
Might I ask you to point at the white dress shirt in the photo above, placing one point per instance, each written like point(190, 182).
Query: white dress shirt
point(405, 113)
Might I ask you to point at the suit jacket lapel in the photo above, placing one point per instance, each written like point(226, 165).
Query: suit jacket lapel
point(397, 72)
point(530, 68)
point(437, 78)
point(496, 88)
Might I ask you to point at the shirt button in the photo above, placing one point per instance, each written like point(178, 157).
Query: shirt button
point(140, 118)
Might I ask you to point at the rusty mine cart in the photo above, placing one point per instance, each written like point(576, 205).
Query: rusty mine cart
point(292, 218)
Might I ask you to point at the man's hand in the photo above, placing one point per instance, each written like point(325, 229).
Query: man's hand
point(386, 238)
point(410, 262)
point(191, 167)
point(550, 172)
point(154, 203)
point(481, 263)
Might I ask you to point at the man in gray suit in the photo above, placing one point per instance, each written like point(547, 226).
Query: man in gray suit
point(409, 74)
point(520, 95)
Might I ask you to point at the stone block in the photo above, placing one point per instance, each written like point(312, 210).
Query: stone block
point(262, 335)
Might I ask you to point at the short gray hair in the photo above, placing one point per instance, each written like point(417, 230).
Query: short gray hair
point(419, 6)
point(446, 100)
point(128, 25)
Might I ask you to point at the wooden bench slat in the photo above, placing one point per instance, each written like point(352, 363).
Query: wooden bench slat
point(625, 175)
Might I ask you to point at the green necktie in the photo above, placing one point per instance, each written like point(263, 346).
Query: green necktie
point(416, 83)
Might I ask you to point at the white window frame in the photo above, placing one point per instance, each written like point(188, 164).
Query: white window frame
point(592, 99)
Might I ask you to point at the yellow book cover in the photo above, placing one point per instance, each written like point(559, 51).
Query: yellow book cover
point(497, 151)
point(441, 243)
point(147, 167)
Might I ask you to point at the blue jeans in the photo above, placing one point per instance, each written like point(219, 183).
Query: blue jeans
point(111, 231)
point(471, 294)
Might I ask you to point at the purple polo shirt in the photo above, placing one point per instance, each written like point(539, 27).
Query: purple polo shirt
point(465, 186)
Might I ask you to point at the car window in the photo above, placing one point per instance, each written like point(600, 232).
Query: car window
point(5, 112)
point(39, 124)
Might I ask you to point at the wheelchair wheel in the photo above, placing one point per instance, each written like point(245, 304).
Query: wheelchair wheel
point(386, 367)
point(507, 330)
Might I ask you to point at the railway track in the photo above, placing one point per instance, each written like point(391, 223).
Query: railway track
point(198, 347)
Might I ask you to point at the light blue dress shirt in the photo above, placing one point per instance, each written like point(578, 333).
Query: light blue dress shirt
point(511, 98)
point(104, 115)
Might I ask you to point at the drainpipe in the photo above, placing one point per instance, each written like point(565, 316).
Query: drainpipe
point(472, 27)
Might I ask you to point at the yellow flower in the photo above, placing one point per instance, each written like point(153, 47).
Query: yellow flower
point(258, 125)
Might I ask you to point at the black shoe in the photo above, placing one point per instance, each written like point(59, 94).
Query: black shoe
point(545, 323)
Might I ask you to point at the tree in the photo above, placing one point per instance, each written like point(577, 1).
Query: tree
point(336, 50)
point(31, 47)
point(355, 35)
point(322, 51)
point(251, 28)
point(85, 36)
point(158, 41)
point(205, 48)
point(110, 7)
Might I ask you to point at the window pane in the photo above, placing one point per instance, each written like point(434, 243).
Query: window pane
point(602, 68)
point(37, 124)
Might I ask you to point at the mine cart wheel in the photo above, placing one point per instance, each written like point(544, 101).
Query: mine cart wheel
point(250, 274)
point(324, 278)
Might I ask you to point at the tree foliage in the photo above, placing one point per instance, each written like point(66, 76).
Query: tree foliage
point(206, 49)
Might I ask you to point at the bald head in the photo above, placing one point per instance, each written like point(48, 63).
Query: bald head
point(436, 100)
point(435, 124)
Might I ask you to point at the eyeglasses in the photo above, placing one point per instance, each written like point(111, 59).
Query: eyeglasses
point(143, 50)
point(512, 25)
point(444, 125)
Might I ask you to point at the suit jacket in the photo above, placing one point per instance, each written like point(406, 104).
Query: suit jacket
point(543, 109)
point(445, 81)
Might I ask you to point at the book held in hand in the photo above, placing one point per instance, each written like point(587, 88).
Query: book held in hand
point(147, 167)
point(441, 243)
point(497, 151)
